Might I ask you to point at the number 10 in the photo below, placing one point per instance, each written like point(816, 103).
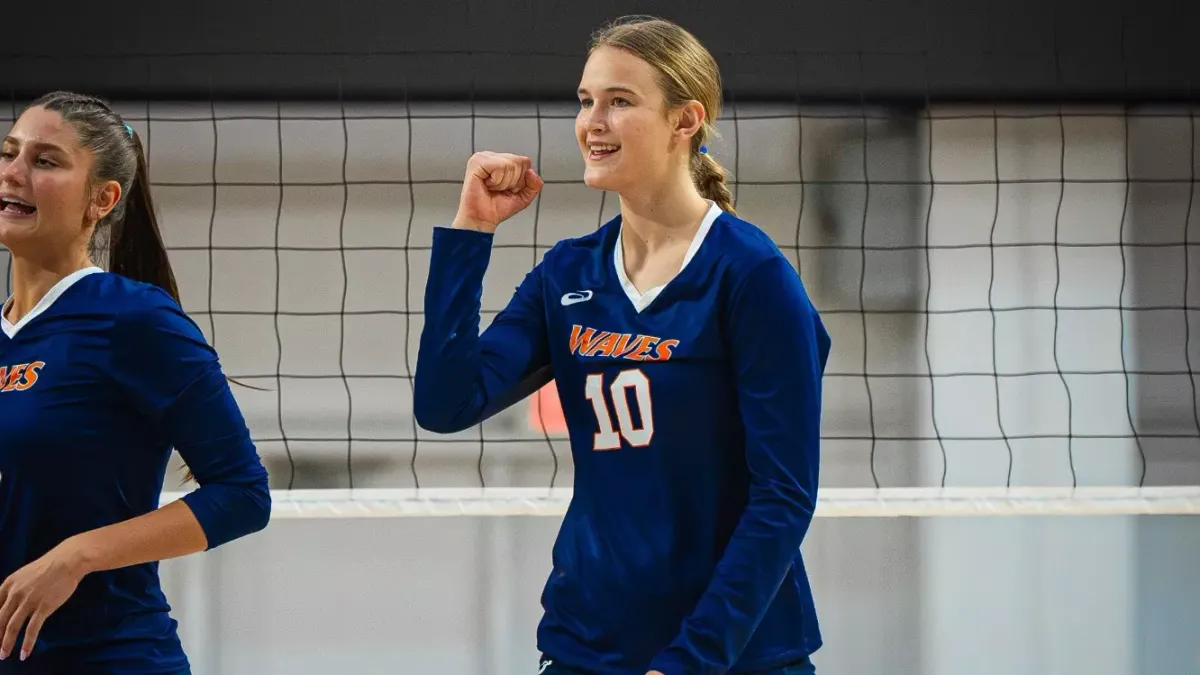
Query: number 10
point(607, 438)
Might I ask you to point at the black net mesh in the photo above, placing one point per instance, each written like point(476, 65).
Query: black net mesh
point(1011, 290)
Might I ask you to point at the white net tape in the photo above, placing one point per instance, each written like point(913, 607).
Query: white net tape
point(832, 502)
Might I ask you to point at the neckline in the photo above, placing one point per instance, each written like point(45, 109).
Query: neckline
point(640, 300)
point(10, 329)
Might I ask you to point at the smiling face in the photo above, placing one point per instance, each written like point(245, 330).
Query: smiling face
point(649, 96)
point(625, 132)
point(48, 200)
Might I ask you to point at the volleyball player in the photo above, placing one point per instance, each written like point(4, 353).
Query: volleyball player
point(103, 374)
point(688, 360)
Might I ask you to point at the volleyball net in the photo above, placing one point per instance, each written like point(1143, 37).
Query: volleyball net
point(1012, 293)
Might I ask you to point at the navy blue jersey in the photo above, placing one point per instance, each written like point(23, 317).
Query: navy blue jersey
point(694, 416)
point(99, 382)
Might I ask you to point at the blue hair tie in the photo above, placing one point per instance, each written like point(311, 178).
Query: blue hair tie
point(129, 130)
point(704, 149)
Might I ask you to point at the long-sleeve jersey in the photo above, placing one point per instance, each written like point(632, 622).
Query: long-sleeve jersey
point(97, 384)
point(694, 417)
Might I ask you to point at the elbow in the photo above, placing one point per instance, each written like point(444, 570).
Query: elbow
point(258, 511)
point(786, 515)
point(231, 511)
point(437, 409)
point(790, 503)
point(797, 503)
point(450, 391)
point(436, 418)
point(249, 513)
point(253, 511)
point(426, 412)
point(251, 501)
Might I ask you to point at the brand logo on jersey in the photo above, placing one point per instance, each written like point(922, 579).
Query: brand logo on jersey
point(19, 377)
point(577, 296)
point(592, 342)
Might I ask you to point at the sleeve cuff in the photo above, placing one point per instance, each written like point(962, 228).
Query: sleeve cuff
point(229, 512)
point(457, 234)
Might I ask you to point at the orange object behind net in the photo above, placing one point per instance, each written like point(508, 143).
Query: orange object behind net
point(545, 411)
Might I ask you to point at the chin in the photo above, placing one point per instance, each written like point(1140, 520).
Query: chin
point(603, 179)
point(15, 231)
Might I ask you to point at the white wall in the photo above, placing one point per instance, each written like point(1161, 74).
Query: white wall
point(1090, 595)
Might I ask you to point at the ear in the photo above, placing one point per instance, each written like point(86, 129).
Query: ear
point(689, 119)
point(105, 200)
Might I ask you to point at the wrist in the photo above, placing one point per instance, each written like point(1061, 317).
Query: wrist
point(78, 555)
point(471, 224)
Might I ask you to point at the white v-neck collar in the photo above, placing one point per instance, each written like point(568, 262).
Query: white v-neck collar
point(47, 300)
point(642, 300)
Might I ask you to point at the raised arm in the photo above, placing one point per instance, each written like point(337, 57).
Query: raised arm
point(463, 377)
point(780, 348)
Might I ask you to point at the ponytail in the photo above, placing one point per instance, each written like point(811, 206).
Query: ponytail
point(709, 176)
point(135, 245)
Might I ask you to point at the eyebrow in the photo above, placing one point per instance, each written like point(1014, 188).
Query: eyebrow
point(38, 145)
point(611, 90)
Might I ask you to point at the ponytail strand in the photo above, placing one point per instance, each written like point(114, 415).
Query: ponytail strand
point(709, 177)
point(135, 245)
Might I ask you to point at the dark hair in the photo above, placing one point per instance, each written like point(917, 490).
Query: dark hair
point(129, 234)
point(686, 72)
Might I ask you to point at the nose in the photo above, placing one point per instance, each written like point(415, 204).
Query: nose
point(595, 119)
point(11, 172)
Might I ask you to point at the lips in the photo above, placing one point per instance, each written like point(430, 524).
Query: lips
point(598, 151)
point(12, 206)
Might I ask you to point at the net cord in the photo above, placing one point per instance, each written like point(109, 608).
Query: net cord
point(831, 502)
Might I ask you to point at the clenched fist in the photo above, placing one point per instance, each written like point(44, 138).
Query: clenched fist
point(497, 186)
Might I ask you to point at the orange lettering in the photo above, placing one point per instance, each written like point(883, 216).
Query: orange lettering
point(643, 350)
point(31, 376)
point(590, 342)
point(19, 377)
point(605, 346)
point(581, 338)
point(14, 376)
point(619, 349)
point(663, 353)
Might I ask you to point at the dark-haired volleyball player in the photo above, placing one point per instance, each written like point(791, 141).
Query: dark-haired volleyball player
point(103, 374)
point(688, 360)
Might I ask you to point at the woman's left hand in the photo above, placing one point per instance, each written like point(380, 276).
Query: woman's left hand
point(33, 593)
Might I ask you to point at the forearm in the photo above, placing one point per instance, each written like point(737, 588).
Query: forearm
point(463, 377)
point(449, 392)
point(168, 532)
